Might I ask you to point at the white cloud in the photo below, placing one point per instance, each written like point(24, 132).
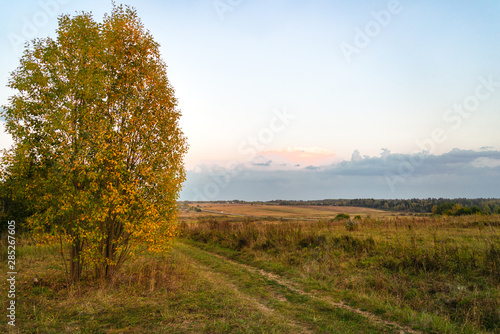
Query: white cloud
point(302, 156)
point(458, 173)
point(485, 162)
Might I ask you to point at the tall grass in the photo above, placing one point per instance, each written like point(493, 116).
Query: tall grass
point(447, 267)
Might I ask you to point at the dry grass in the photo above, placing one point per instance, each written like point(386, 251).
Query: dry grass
point(187, 291)
point(432, 272)
point(132, 302)
point(279, 211)
point(429, 274)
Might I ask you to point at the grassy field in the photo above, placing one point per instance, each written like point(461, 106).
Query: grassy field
point(282, 211)
point(234, 274)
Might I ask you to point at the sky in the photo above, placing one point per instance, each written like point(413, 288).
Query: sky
point(316, 99)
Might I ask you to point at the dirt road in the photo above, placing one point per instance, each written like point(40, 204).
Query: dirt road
point(280, 300)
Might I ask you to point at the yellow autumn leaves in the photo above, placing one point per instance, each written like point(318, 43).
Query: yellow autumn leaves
point(98, 148)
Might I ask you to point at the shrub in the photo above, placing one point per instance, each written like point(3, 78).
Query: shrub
point(351, 225)
point(341, 216)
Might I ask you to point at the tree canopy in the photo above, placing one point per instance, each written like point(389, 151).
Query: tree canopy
point(98, 150)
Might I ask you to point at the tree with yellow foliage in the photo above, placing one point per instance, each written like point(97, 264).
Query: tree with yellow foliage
point(98, 150)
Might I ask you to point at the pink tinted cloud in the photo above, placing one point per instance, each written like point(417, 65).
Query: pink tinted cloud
point(304, 156)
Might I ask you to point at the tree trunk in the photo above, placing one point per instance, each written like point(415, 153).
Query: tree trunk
point(110, 255)
point(76, 262)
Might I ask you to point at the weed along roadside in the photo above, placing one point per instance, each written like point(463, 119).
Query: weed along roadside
point(420, 274)
point(234, 274)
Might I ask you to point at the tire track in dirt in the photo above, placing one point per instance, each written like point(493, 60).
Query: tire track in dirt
point(219, 278)
point(292, 287)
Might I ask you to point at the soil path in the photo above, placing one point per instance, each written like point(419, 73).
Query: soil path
point(291, 287)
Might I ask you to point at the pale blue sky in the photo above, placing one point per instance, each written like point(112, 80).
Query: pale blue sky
point(236, 65)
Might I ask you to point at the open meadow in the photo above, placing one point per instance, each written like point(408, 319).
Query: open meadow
point(267, 273)
point(250, 167)
point(284, 211)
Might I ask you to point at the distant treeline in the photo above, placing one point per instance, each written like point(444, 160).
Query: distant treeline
point(430, 205)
